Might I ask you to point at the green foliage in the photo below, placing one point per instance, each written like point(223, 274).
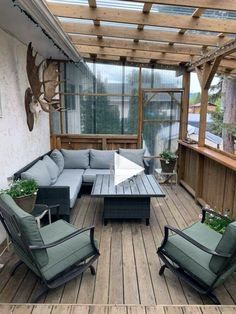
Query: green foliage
point(168, 156)
point(195, 99)
point(217, 223)
point(217, 120)
point(22, 188)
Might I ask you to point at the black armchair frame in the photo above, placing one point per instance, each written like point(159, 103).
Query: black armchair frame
point(18, 238)
point(172, 264)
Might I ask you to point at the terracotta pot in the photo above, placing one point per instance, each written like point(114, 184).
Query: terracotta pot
point(168, 167)
point(26, 202)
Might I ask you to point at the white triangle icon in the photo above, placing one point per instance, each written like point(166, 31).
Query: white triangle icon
point(125, 169)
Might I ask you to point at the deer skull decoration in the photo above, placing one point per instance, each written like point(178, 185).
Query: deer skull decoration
point(43, 80)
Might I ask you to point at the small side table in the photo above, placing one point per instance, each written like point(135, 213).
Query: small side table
point(167, 177)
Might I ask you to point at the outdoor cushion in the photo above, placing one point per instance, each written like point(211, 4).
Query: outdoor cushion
point(101, 159)
point(135, 155)
point(28, 227)
point(227, 245)
point(76, 159)
point(191, 258)
point(69, 252)
point(73, 179)
point(58, 158)
point(39, 173)
point(90, 174)
point(52, 168)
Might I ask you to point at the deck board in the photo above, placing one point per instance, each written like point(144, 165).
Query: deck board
point(127, 271)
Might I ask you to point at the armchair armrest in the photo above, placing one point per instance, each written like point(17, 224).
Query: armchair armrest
point(212, 212)
point(70, 236)
point(192, 241)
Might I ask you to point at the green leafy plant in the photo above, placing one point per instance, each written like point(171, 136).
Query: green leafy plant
point(22, 188)
point(217, 223)
point(168, 156)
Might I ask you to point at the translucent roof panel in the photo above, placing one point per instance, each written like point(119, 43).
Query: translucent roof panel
point(80, 2)
point(72, 20)
point(161, 29)
point(103, 23)
point(168, 9)
point(127, 5)
point(219, 14)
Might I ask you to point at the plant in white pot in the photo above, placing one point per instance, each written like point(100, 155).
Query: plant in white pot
point(168, 161)
point(24, 193)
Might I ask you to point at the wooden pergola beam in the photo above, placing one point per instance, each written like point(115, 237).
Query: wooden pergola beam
point(226, 5)
point(152, 19)
point(146, 34)
point(131, 53)
point(145, 46)
point(220, 52)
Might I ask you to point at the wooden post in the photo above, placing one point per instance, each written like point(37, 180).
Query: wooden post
point(140, 108)
point(203, 117)
point(185, 106)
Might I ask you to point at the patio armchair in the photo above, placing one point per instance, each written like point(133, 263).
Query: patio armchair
point(56, 253)
point(199, 255)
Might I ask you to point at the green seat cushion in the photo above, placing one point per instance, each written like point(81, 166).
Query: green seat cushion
point(227, 245)
point(28, 228)
point(69, 252)
point(189, 257)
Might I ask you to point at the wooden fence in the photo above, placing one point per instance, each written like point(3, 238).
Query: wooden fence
point(209, 176)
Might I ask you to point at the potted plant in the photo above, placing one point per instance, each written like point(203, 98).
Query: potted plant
point(168, 161)
point(24, 193)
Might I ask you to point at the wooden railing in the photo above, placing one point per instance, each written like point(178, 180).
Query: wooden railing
point(209, 176)
point(83, 141)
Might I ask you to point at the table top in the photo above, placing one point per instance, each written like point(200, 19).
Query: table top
point(138, 186)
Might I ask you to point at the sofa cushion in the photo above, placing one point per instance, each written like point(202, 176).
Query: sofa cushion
point(76, 159)
point(67, 253)
point(52, 168)
point(39, 173)
point(191, 258)
point(90, 174)
point(101, 159)
point(227, 245)
point(58, 158)
point(73, 179)
point(135, 155)
point(29, 228)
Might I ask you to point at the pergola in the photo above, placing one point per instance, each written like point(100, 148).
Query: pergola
point(189, 35)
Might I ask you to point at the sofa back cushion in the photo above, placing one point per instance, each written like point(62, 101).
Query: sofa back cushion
point(101, 159)
point(39, 173)
point(227, 245)
point(76, 159)
point(28, 228)
point(52, 168)
point(135, 155)
point(58, 158)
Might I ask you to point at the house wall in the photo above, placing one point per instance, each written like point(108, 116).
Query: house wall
point(18, 146)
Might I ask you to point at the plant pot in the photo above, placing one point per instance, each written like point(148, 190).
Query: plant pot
point(168, 167)
point(26, 202)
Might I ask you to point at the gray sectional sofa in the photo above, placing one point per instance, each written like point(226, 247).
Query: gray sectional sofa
point(61, 173)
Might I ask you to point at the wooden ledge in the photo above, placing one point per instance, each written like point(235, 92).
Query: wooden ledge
point(211, 154)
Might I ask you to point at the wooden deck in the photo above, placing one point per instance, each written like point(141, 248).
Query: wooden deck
point(127, 270)
point(114, 309)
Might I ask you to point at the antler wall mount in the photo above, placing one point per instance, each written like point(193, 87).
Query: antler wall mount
point(43, 80)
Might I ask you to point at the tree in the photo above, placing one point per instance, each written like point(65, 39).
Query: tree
point(229, 119)
point(98, 116)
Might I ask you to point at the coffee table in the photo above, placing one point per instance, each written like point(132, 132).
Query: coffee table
point(129, 199)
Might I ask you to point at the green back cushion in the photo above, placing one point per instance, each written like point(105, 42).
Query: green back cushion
point(28, 227)
point(227, 245)
point(101, 159)
point(135, 155)
point(52, 168)
point(76, 159)
point(39, 173)
point(58, 158)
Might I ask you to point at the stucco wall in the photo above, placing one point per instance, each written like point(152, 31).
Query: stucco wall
point(18, 146)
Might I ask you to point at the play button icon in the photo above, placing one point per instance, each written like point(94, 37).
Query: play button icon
point(124, 169)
